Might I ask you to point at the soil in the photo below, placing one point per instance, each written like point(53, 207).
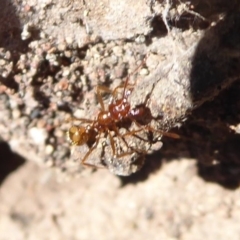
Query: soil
point(54, 54)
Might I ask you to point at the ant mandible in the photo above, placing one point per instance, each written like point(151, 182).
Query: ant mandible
point(108, 120)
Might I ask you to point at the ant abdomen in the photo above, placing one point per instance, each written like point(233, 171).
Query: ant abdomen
point(141, 115)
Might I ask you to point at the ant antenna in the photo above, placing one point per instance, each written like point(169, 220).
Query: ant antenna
point(127, 80)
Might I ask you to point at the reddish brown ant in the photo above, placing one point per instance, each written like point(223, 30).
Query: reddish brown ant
point(112, 119)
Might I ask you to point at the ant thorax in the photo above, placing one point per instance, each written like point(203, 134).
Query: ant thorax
point(104, 120)
point(119, 109)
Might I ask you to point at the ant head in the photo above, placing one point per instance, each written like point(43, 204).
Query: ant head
point(77, 135)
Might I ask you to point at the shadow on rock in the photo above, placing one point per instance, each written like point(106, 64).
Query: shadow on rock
point(153, 163)
point(11, 29)
point(208, 130)
point(10, 161)
point(215, 140)
point(210, 135)
point(217, 59)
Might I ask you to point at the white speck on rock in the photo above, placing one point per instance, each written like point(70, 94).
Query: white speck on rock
point(49, 149)
point(25, 32)
point(79, 113)
point(38, 135)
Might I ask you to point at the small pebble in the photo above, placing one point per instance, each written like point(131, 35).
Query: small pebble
point(38, 135)
point(62, 47)
point(79, 113)
point(35, 113)
point(25, 32)
point(144, 72)
point(117, 51)
point(59, 133)
point(49, 149)
point(16, 113)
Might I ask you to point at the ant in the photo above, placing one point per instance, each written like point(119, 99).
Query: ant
point(119, 114)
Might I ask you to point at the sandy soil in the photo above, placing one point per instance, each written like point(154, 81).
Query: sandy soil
point(171, 203)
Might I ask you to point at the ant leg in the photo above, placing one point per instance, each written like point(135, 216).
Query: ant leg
point(127, 79)
point(112, 143)
point(167, 134)
point(132, 149)
point(120, 136)
point(131, 152)
point(134, 133)
point(126, 85)
point(101, 89)
point(127, 145)
point(115, 91)
point(83, 161)
point(149, 128)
